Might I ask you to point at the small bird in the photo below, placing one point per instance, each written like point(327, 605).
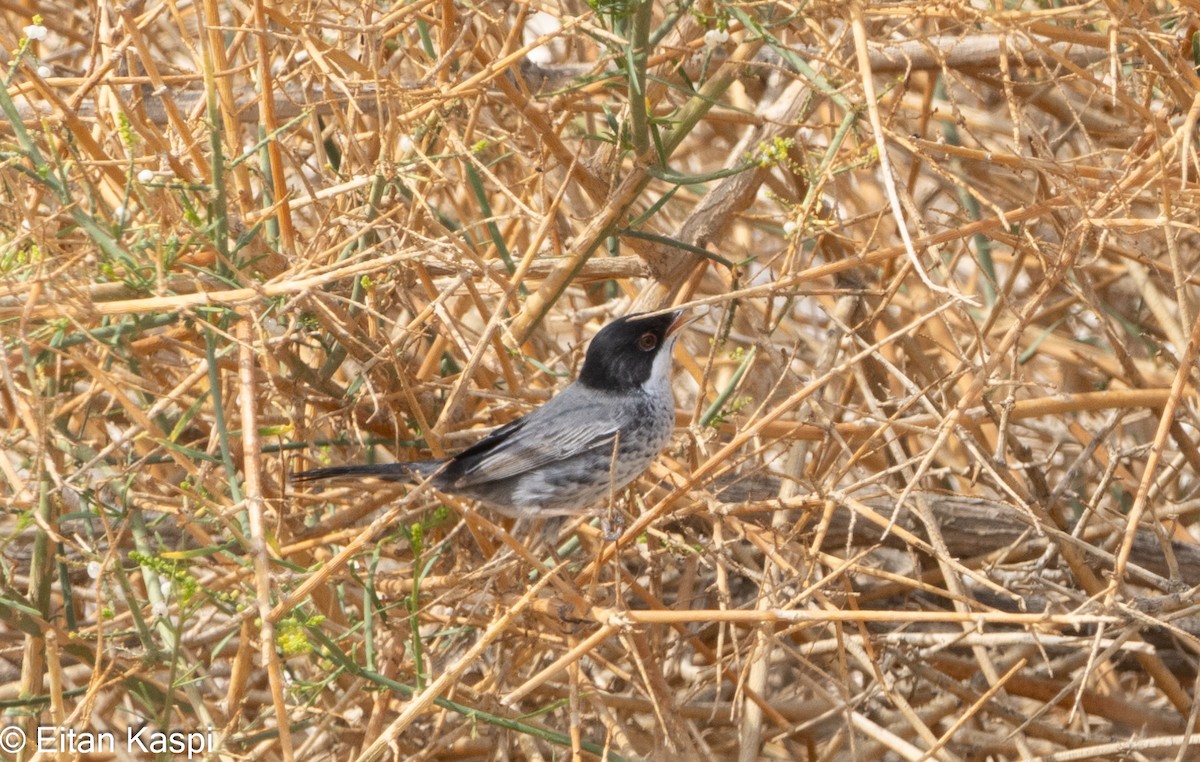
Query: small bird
point(589, 441)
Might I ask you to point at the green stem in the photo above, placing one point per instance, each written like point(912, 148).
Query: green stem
point(639, 53)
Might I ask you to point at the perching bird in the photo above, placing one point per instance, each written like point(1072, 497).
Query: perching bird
point(589, 441)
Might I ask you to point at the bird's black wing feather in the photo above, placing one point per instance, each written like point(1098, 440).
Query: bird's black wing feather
point(568, 425)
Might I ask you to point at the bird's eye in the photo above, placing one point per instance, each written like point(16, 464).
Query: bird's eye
point(648, 341)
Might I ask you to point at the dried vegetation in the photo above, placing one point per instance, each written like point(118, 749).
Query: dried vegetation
point(934, 490)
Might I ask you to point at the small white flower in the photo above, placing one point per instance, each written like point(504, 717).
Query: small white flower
point(715, 38)
point(145, 176)
point(45, 71)
point(35, 32)
point(790, 227)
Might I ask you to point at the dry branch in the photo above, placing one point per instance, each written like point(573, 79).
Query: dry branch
point(933, 494)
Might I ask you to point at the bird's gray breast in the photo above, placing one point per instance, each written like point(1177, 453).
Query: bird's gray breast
point(640, 426)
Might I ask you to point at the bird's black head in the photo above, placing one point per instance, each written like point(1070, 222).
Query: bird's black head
point(621, 356)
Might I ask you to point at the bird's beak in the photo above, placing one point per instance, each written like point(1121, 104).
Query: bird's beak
point(680, 322)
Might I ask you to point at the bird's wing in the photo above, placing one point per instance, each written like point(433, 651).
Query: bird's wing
point(566, 426)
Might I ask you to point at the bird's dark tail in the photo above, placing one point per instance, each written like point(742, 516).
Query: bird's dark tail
point(416, 470)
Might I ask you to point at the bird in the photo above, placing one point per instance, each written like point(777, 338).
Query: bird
point(585, 443)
